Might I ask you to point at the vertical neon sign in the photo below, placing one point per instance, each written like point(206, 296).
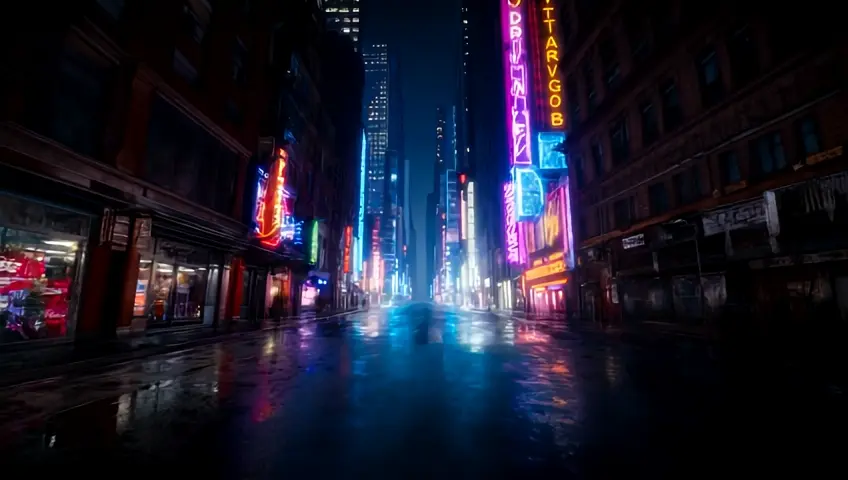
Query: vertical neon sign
point(551, 60)
point(348, 238)
point(313, 246)
point(269, 203)
point(512, 253)
point(518, 121)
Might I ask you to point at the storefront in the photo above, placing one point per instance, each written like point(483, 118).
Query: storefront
point(42, 254)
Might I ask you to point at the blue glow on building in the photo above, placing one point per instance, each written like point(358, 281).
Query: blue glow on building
point(360, 231)
point(529, 193)
point(549, 158)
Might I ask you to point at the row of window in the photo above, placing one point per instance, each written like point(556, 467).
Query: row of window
point(660, 110)
point(766, 156)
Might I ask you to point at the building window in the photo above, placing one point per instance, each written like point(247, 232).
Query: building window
point(709, 78)
point(637, 37)
point(597, 153)
point(620, 140)
point(768, 155)
point(233, 113)
point(609, 61)
point(658, 199)
point(239, 63)
point(573, 99)
point(671, 110)
point(728, 165)
point(579, 173)
point(624, 212)
point(809, 135)
point(744, 61)
point(687, 186)
point(196, 19)
point(589, 78)
point(650, 124)
point(115, 8)
point(184, 68)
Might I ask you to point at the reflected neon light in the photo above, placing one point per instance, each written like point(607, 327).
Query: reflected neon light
point(512, 253)
point(518, 122)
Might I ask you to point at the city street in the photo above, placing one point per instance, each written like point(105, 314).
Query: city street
point(420, 392)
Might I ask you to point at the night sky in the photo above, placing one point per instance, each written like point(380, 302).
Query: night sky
point(425, 35)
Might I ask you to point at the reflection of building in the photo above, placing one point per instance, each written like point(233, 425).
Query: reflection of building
point(706, 146)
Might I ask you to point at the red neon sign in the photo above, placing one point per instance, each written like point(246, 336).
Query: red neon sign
point(348, 235)
point(270, 209)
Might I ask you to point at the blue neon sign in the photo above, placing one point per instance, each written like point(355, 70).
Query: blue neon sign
point(529, 193)
point(549, 158)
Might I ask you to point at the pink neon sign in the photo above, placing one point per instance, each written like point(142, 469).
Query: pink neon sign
point(512, 250)
point(518, 121)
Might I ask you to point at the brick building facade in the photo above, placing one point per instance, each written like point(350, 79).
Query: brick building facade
point(129, 150)
point(692, 128)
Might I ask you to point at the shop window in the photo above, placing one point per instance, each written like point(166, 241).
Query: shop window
point(176, 283)
point(37, 284)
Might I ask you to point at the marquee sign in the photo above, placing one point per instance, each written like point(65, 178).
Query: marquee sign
point(270, 207)
point(512, 253)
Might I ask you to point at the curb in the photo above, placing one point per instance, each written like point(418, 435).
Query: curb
point(48, 373)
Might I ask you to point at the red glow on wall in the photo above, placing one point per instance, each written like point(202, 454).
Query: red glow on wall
point(462, 178)
point(270, 210)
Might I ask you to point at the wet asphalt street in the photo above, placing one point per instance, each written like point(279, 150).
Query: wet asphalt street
point(406, 393)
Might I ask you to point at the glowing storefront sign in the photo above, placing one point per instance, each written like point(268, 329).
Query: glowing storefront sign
point(348, 238)
point(529, 194)
point(518, 121)
point(512, 254)
point(269, 202)
point(553, 220)
point(541, 271)
point(549, 157)
point(313, 246)
point(551, 51)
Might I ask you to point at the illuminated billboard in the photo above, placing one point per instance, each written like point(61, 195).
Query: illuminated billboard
point(513, 30)
point(348, 240)
point(549, 157)
point(529, 194)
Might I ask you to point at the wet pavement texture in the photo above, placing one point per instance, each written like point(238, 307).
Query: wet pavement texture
point(425, 392)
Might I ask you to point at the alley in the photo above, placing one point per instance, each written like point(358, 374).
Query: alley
point(416, 392)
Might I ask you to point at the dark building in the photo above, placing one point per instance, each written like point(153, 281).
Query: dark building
point(706, 160)
point(134, 138)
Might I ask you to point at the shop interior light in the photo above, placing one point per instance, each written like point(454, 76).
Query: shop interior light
point(55, 252)
point(61, 243)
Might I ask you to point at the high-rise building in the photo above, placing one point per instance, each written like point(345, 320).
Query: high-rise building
point(376, 59)
point(343, 16)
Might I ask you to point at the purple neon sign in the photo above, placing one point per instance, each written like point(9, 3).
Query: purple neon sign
point(518, 121)
point(512, 250)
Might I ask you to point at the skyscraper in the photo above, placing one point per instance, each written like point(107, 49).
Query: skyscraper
point(343, 16)
point(376, 58)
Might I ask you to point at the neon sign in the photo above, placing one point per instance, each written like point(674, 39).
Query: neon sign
point(270, 209)
point(551, 52)
point(549, 157)
point(518, 123)
point(348, 236)
point(552, 219)
point(529, 194)
point(313, 246)
point(568, 239)
point(512, 253)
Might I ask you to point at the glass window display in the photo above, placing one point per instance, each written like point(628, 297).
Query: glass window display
point(37, 272)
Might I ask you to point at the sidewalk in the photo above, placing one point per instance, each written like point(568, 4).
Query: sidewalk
point(20, 365)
